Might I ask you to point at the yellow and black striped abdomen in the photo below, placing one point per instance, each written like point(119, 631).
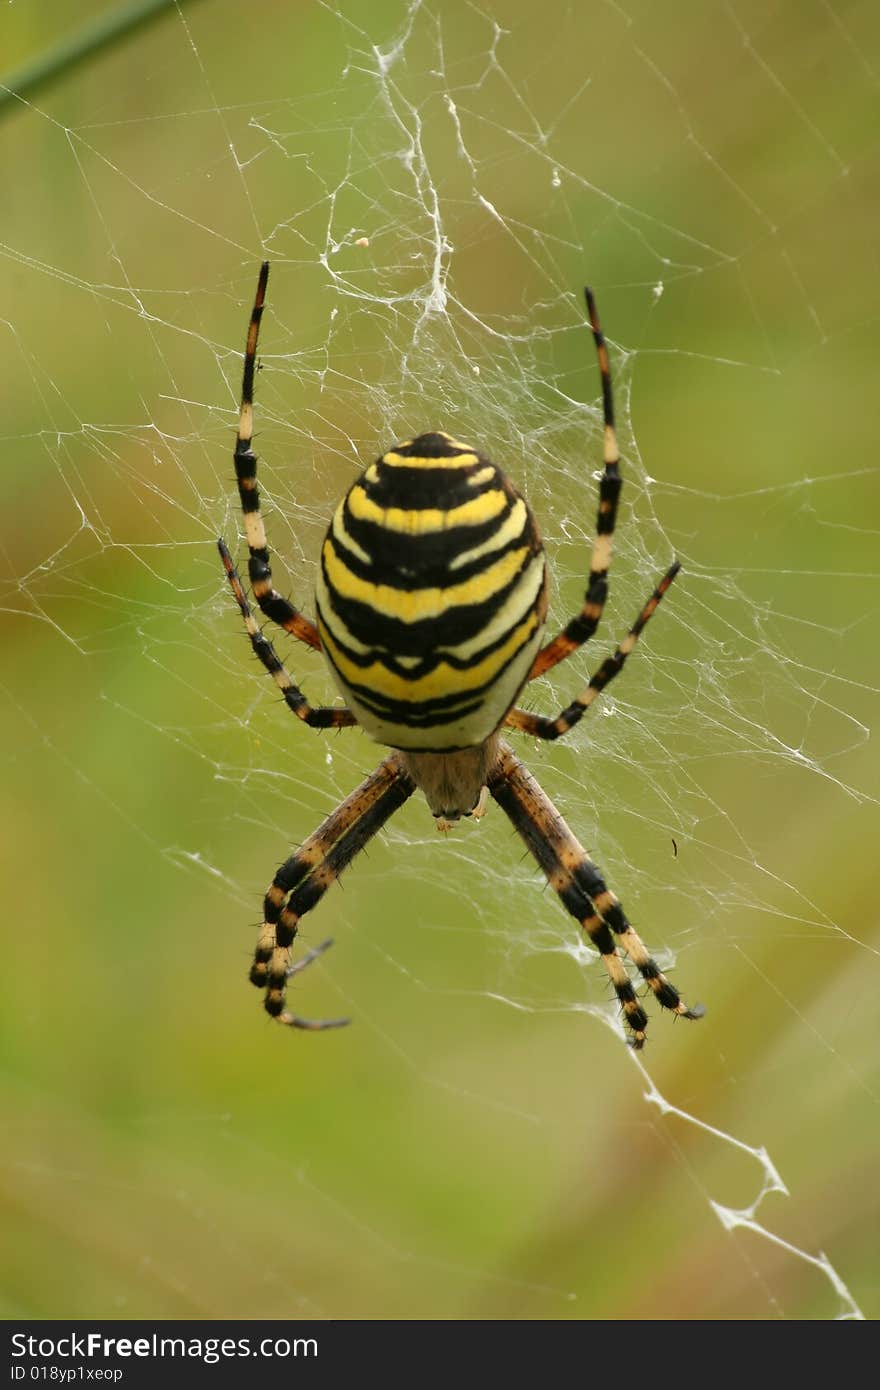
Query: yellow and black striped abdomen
point(431, 595)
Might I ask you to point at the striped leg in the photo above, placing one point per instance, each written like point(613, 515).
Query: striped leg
point(584, 624)
point(583, 890)
point(304, 878)
point(273, 604)
point(540, 727)
point(320, 717)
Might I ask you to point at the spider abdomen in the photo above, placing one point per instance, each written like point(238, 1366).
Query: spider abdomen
point(431, 595)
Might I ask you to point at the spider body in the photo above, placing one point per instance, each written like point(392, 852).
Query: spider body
point(431, 596)
point(431, 600)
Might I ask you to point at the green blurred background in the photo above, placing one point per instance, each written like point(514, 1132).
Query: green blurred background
point(477, 1144)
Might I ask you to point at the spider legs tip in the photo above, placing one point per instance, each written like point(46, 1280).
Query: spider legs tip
point(313, 1025)
point(225, 556)
point(298, 965)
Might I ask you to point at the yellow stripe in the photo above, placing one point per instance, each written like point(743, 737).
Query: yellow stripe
point(342, 535)
point(523, 599)
point(254, 530)
point(526, 595)
point(419, 521)
point(412, 605)
point(444, 680)
point(510, 530)
point(482, 475)
point(410, 461)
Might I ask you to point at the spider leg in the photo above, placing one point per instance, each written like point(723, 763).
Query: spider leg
point(271, 603)
point(539, 727)
point(582, 889)
point(304, 878)
point(317, 717)
point(583, 625)
point(311, 1025)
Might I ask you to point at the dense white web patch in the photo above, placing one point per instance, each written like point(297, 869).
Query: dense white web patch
point(431, 210)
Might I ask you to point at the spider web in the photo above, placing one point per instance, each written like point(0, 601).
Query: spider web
point(433, 187)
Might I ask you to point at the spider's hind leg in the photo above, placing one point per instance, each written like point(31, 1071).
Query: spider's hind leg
point(583, 891)
point(310, 1025)
point(304, 878)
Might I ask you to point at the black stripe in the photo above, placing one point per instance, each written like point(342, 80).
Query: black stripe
point(423, 562)
point(609, 491)
point(246, 471)
point(258, 565)
point(277, 608)
point(431, 659)
point(582, 627)
point(588, 876)
point(369, 696)
point(399, 486)
point(668, 995)
point(397, 556)
point(400, 712)
point(459, 623)
point(576, 900)
point(432, 446)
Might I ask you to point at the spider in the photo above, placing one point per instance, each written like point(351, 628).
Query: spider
point(431, 600)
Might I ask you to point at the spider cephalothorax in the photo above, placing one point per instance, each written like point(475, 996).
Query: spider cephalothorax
point(431, 602)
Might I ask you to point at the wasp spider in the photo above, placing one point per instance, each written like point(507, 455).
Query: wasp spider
point(431, 601)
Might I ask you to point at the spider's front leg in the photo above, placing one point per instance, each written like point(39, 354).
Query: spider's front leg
point(273, 605)
point(583, 625)
point(304, 878)
point(583, 891)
